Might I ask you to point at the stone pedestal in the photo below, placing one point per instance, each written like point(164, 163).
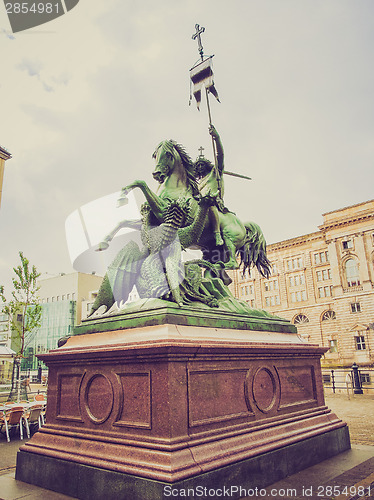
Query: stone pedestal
point(137, 412)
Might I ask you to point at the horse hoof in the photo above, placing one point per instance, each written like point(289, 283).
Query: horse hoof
point(102, 246)
point(122, 200)
point(219, 241)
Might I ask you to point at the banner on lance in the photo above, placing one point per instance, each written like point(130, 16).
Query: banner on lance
point(202, 76)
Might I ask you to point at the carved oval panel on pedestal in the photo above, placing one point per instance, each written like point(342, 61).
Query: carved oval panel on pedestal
point(262, 390)
point(98, 398)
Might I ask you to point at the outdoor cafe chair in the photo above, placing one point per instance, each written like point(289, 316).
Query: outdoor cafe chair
point(33, 417)
point(12, 418)
point(43, 412)
point(39, 397)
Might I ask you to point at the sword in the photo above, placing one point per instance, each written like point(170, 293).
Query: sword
point(233, 174)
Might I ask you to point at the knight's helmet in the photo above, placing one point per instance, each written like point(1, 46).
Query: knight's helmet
point(202, 167)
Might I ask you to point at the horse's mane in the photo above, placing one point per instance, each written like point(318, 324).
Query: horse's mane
point(187, 162)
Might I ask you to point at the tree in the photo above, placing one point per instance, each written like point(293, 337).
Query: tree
point(24, 310)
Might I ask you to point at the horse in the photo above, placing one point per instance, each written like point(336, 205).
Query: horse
point(174, 171)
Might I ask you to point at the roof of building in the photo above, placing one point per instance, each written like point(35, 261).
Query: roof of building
point(4, 153)
point(6, 351)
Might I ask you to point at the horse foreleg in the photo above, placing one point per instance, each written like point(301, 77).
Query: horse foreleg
point(103, 245)
point(155, 202)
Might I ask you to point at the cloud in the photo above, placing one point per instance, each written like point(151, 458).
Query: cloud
point(8, 35)
point(34, 68)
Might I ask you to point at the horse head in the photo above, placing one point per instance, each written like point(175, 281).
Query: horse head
point(167, 157)
point(172, 159)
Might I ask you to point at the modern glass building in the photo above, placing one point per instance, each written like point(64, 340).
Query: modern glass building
point(58, 320)
point(62, 299)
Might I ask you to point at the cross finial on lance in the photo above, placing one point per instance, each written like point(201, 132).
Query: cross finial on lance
point(197, 35)
point(201, 149)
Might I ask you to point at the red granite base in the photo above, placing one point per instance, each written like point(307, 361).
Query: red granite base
point(171, 402)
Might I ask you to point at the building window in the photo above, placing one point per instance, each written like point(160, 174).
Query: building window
point(298, 296)
point(4, 317)
point(351, 272)
point(347, 245)
point(324, 275)
point(333, 345)
point(246, 274)
point(326, 378)
point(272, 300)
point(271, 285)
point(274, 269)
point(300, 319)
point(321, 257)
point(328, 316)
point(297, 280)
point(295, 263)
point(365, 378)
point(355, 307)
point(325, 291)
point(360, 343)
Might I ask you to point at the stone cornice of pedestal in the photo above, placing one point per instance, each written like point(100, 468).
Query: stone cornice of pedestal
point(156, 312)
point(172, 342)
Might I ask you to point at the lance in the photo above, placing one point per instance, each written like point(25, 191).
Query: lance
point(206, 73)
point(233, 174)
point(202, 75)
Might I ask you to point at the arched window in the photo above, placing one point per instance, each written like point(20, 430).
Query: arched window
point(328, 316)
point(300, 319)
point(351, 272)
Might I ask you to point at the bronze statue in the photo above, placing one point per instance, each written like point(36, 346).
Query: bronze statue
point(188, 213)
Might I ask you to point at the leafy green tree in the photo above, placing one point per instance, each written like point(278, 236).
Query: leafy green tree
point(23, 309)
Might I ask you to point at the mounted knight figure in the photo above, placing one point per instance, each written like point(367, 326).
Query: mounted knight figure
point(188, 212)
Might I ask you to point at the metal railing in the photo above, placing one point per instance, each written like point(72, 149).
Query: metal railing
point(354, 378)
point(6, 393)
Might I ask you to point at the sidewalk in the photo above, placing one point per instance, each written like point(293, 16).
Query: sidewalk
point(353, 469)
point(358, 412)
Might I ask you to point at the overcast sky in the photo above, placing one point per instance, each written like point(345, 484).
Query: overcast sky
point(87, 97)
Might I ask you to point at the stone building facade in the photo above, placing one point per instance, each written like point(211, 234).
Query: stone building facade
point(324, 283)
